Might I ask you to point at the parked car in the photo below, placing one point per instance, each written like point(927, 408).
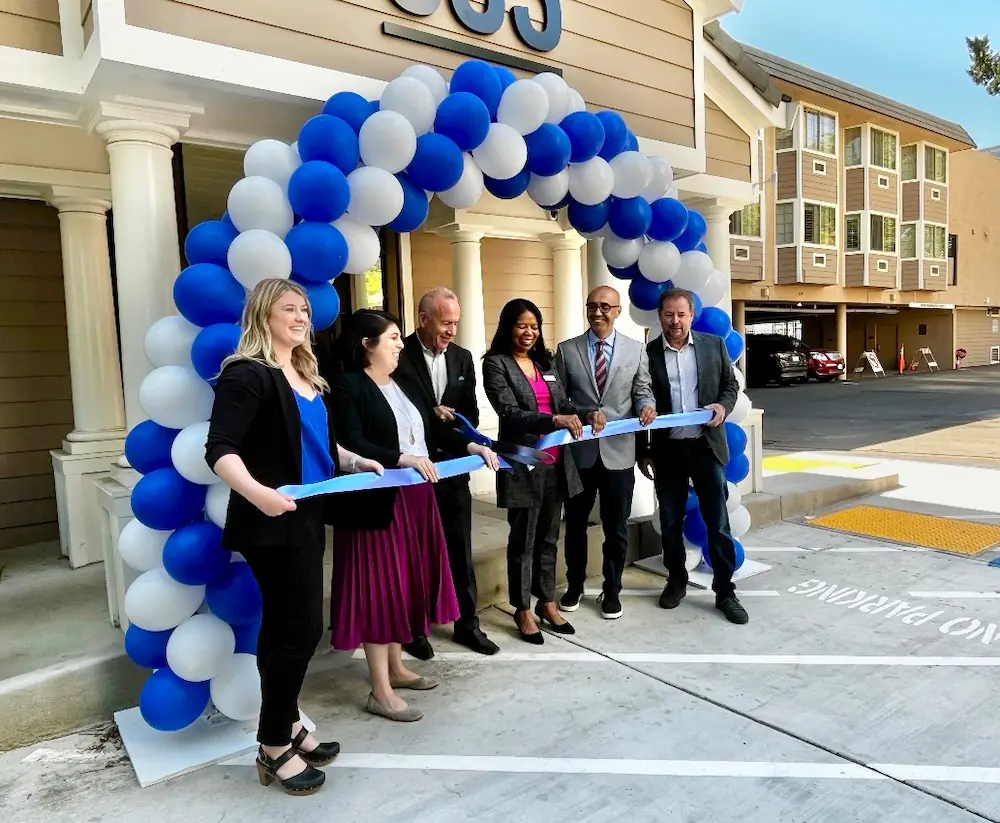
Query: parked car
point(783, 359)
point(825, 364)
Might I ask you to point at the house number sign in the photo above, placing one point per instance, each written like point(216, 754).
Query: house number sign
point(489, 19)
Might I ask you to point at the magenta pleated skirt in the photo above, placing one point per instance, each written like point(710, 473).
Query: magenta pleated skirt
point(392, 584)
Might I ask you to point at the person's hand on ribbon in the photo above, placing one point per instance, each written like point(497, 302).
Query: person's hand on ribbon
point(597, 420)
point(272, 502)
point(647, 414)
point(424, 465)
point(445, 413)
point(489, 456)
point(570, 422)
point(363, 464)
point(718, 415)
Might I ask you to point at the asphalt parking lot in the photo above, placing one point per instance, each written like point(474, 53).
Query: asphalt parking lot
point(862, 413)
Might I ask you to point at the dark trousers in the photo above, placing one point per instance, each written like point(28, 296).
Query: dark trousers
point(291, 586)
point(676, 461)
point(455, 504)
point(615, 488)
point(533, 544)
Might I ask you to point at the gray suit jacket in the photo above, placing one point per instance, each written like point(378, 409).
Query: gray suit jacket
point(716, 384)
point(626, 391)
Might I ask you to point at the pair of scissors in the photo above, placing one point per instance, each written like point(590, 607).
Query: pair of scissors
point(512, 451)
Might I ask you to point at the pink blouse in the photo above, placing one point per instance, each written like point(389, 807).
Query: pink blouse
point(543, 397)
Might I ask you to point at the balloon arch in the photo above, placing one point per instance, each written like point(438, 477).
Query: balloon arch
point(309, 212)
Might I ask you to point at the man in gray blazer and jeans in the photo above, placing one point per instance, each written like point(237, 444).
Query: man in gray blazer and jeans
point(604, 372)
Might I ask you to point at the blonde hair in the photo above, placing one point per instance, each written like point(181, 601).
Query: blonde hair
point(255, 339)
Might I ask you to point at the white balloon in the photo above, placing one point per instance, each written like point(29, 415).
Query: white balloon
point(502, 154)
point(735, 498)
point(558, 93)
point(188, 455)
point(175, 397)
point(548, 190)
point(142, 547)
point(271, 159)
point(469, 188)
point(217, 504)
point(693, 270)
point(412, 99)
point(168, 342)
point(156, 602)
point(575, 102)
point(387, 141)
point(200, 647)
point(692, 555)
point(376, 195)
point(591, 182)
point(645, 318)
point(739, 522)
point(714, 288)
point(257, 255)
point(658, 261)
point(523, 106)
point(235, 689)
point(672, 191)
point(633, 173)
point(663, 176)
point(741, 410)
point(431, 78)
point(363, 246)
point(740, 378)
point(260, 203)
point(621, 253)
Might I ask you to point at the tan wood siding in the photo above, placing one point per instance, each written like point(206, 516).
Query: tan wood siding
point(854, 270)
point(788, 265)
point(819, 275)
point(788, 176)
point(727, 146)
point(747, 270)
point(935, 282)
point(935, 210)
point(430, 261)
point(974, 333)
point(36, 410)
point(855, 195)
point(882, 279)
point(31, 25)
point(635, 58)
point(909, 275)
point(911, 202)
point(883, 200)
point(819, 187)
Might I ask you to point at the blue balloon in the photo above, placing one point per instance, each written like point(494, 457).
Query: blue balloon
point(478, 78)
point(645, 294)
point(164, 500)
point(695, 529)
point(586, 135)
point(463, 118)
point(737, 468)
point(631, 142)
point(615, 134)
point(319, 251)
point(736, 439)
point(670, 219)
point(740, 553)
point(693, 233)
point(246, 637)
point(328, 138)
point(318, 191)
point(213, 345)
point(235, 596)
point(228, 221)
point(734, 345)
point(208, 242)
point(628, 273)
point(147, 447)
point(145, 648)
point(713, 320)
point(438, 163)
point(350, 107)
point(510, 188)
point(588, 218)
point(548, 150)
point(376, 105)
point(691, 505)
point(505, 76)
point(629, 217)
point(193, 555)
point(206, 294)
point(325, 304)
point(169, 703)
point(702, 248)
point(415, 206)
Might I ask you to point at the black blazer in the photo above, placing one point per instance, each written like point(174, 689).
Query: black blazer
point(256, 417)
point(367, 426)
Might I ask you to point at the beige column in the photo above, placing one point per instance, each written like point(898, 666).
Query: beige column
point(568, 293)
point(717, 240)
point(842, 336)
point(740, 325)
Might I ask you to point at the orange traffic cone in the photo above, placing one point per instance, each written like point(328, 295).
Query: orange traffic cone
point(902, 360)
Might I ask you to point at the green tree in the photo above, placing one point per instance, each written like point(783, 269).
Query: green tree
point(984, 66)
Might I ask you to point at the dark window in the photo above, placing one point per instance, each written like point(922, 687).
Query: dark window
point(952, 259)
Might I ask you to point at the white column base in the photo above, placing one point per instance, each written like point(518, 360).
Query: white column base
point(754, 427)
point(114, 506)
point(78, 513)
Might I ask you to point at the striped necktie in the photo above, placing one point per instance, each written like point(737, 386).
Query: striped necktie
point(600, 368)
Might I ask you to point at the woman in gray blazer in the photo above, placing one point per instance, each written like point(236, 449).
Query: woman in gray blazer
point(522, 386)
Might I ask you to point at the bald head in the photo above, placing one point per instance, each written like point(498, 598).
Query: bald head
point(604, 304)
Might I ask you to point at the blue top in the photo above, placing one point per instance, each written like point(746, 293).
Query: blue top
point(609, 348)
point(317, 464)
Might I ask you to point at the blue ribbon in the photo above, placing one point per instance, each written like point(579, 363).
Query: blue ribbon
point(627, 426)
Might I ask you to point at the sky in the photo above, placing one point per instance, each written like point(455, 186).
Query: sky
point(910, 50)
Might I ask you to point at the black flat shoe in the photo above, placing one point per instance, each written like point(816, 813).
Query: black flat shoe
point(558, 628)
point(475, 639)
point(733, 610)
point(323, 755)
point(305, 782)
point(420, 648)
point(535, 638)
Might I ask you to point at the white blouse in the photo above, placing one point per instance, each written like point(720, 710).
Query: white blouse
point(409, 423)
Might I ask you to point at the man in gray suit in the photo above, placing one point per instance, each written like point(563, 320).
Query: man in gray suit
point(691, 371)
point(604, 372)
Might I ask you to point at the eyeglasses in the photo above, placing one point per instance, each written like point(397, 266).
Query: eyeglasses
point(603, 308)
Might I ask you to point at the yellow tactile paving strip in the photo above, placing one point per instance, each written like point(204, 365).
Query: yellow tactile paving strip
point(958, 536)
point(780, 463)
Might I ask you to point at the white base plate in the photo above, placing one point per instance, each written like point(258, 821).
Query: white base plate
point(212, 738)
point(702, 575)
